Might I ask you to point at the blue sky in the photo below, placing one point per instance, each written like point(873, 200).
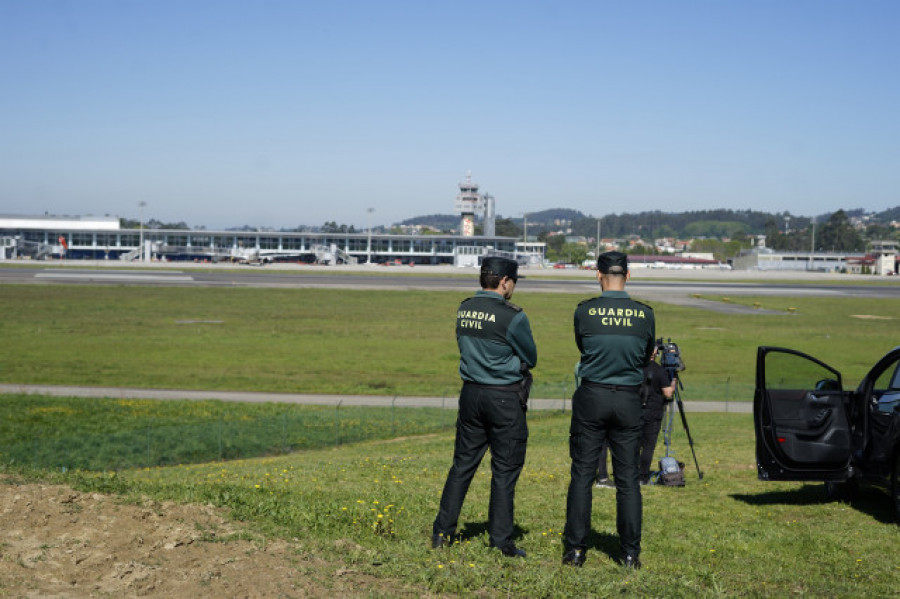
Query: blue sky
point(285, 113)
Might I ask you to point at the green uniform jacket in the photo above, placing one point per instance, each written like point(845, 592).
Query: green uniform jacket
point(494, 339)
point(615, 335)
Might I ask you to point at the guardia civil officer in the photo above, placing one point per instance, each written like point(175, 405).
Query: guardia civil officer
point(496, 353)
point(658, 390)
point(615, 335)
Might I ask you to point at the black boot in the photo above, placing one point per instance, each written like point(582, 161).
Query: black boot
point(574, 557)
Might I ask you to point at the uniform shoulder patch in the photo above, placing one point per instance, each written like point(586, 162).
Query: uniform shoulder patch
point(513, 306)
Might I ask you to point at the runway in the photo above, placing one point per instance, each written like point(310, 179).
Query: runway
point(677, 287)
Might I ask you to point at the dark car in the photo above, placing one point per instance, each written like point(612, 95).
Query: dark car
point(809, 429)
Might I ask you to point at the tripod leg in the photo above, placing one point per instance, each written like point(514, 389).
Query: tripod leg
point(688, 431)
point(667, 432)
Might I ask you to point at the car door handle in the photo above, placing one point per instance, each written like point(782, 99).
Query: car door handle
point(819, 401)
point(819, 419)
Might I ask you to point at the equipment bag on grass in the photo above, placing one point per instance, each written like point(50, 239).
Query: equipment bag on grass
point(671, 472)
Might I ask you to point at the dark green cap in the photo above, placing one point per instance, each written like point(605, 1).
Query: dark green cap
point(502, 267)
point(614, 263)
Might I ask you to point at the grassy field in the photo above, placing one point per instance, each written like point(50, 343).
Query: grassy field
point(60, 433)
point(369, 506)
point(380, 343)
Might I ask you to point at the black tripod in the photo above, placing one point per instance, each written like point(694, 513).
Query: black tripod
point(676, 397)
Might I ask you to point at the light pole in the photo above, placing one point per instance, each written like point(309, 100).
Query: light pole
point(141, 206)
point(599, 218)
point(369, 243)
point(812, 243)
point(524, 237)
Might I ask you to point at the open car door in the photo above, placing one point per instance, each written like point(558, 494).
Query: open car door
point(800, 417)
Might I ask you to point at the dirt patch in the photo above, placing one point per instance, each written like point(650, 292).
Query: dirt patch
point(871, 317)
point(60, 542)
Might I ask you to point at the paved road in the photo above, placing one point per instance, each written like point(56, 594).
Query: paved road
point(743, 407)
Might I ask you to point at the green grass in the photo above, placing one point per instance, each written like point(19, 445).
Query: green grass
point(370, 506)
point(111, 434)
point(379, 342)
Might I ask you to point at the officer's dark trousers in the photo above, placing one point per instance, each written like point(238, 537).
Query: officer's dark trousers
point(649, 437)
point(615, 415)
point(602, 470)
point(488, 418)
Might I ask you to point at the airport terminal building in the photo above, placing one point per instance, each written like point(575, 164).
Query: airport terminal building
point(102, 238)
point(881, 259)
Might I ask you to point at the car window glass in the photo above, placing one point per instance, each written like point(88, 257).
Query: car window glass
point(789, 371)
point(888, 380)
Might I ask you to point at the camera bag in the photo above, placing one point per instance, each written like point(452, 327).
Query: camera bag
point(671, 472)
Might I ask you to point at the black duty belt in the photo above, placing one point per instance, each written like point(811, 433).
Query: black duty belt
point(510, 387)
point(611, 387)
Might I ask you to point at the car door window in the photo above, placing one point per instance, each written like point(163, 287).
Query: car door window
point(786, 371)
point(886, 389)
point(802, 426)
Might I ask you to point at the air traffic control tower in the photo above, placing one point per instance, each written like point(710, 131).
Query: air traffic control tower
point(468, 203)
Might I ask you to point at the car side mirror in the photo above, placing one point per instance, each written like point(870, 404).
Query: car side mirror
point(828, 385)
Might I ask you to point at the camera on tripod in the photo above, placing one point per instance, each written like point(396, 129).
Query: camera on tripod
point(669, 356)
point(670, 359)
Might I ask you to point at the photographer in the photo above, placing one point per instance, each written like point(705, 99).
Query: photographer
point(659, 391)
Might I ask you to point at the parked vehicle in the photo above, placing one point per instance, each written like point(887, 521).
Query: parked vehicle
point(809, 429)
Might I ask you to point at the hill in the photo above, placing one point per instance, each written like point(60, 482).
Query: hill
point(654, 224)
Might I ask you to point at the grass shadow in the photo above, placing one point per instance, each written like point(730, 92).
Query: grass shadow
point(471, 530)
point(805, 495)
point(605, 542)
point(872, 502)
